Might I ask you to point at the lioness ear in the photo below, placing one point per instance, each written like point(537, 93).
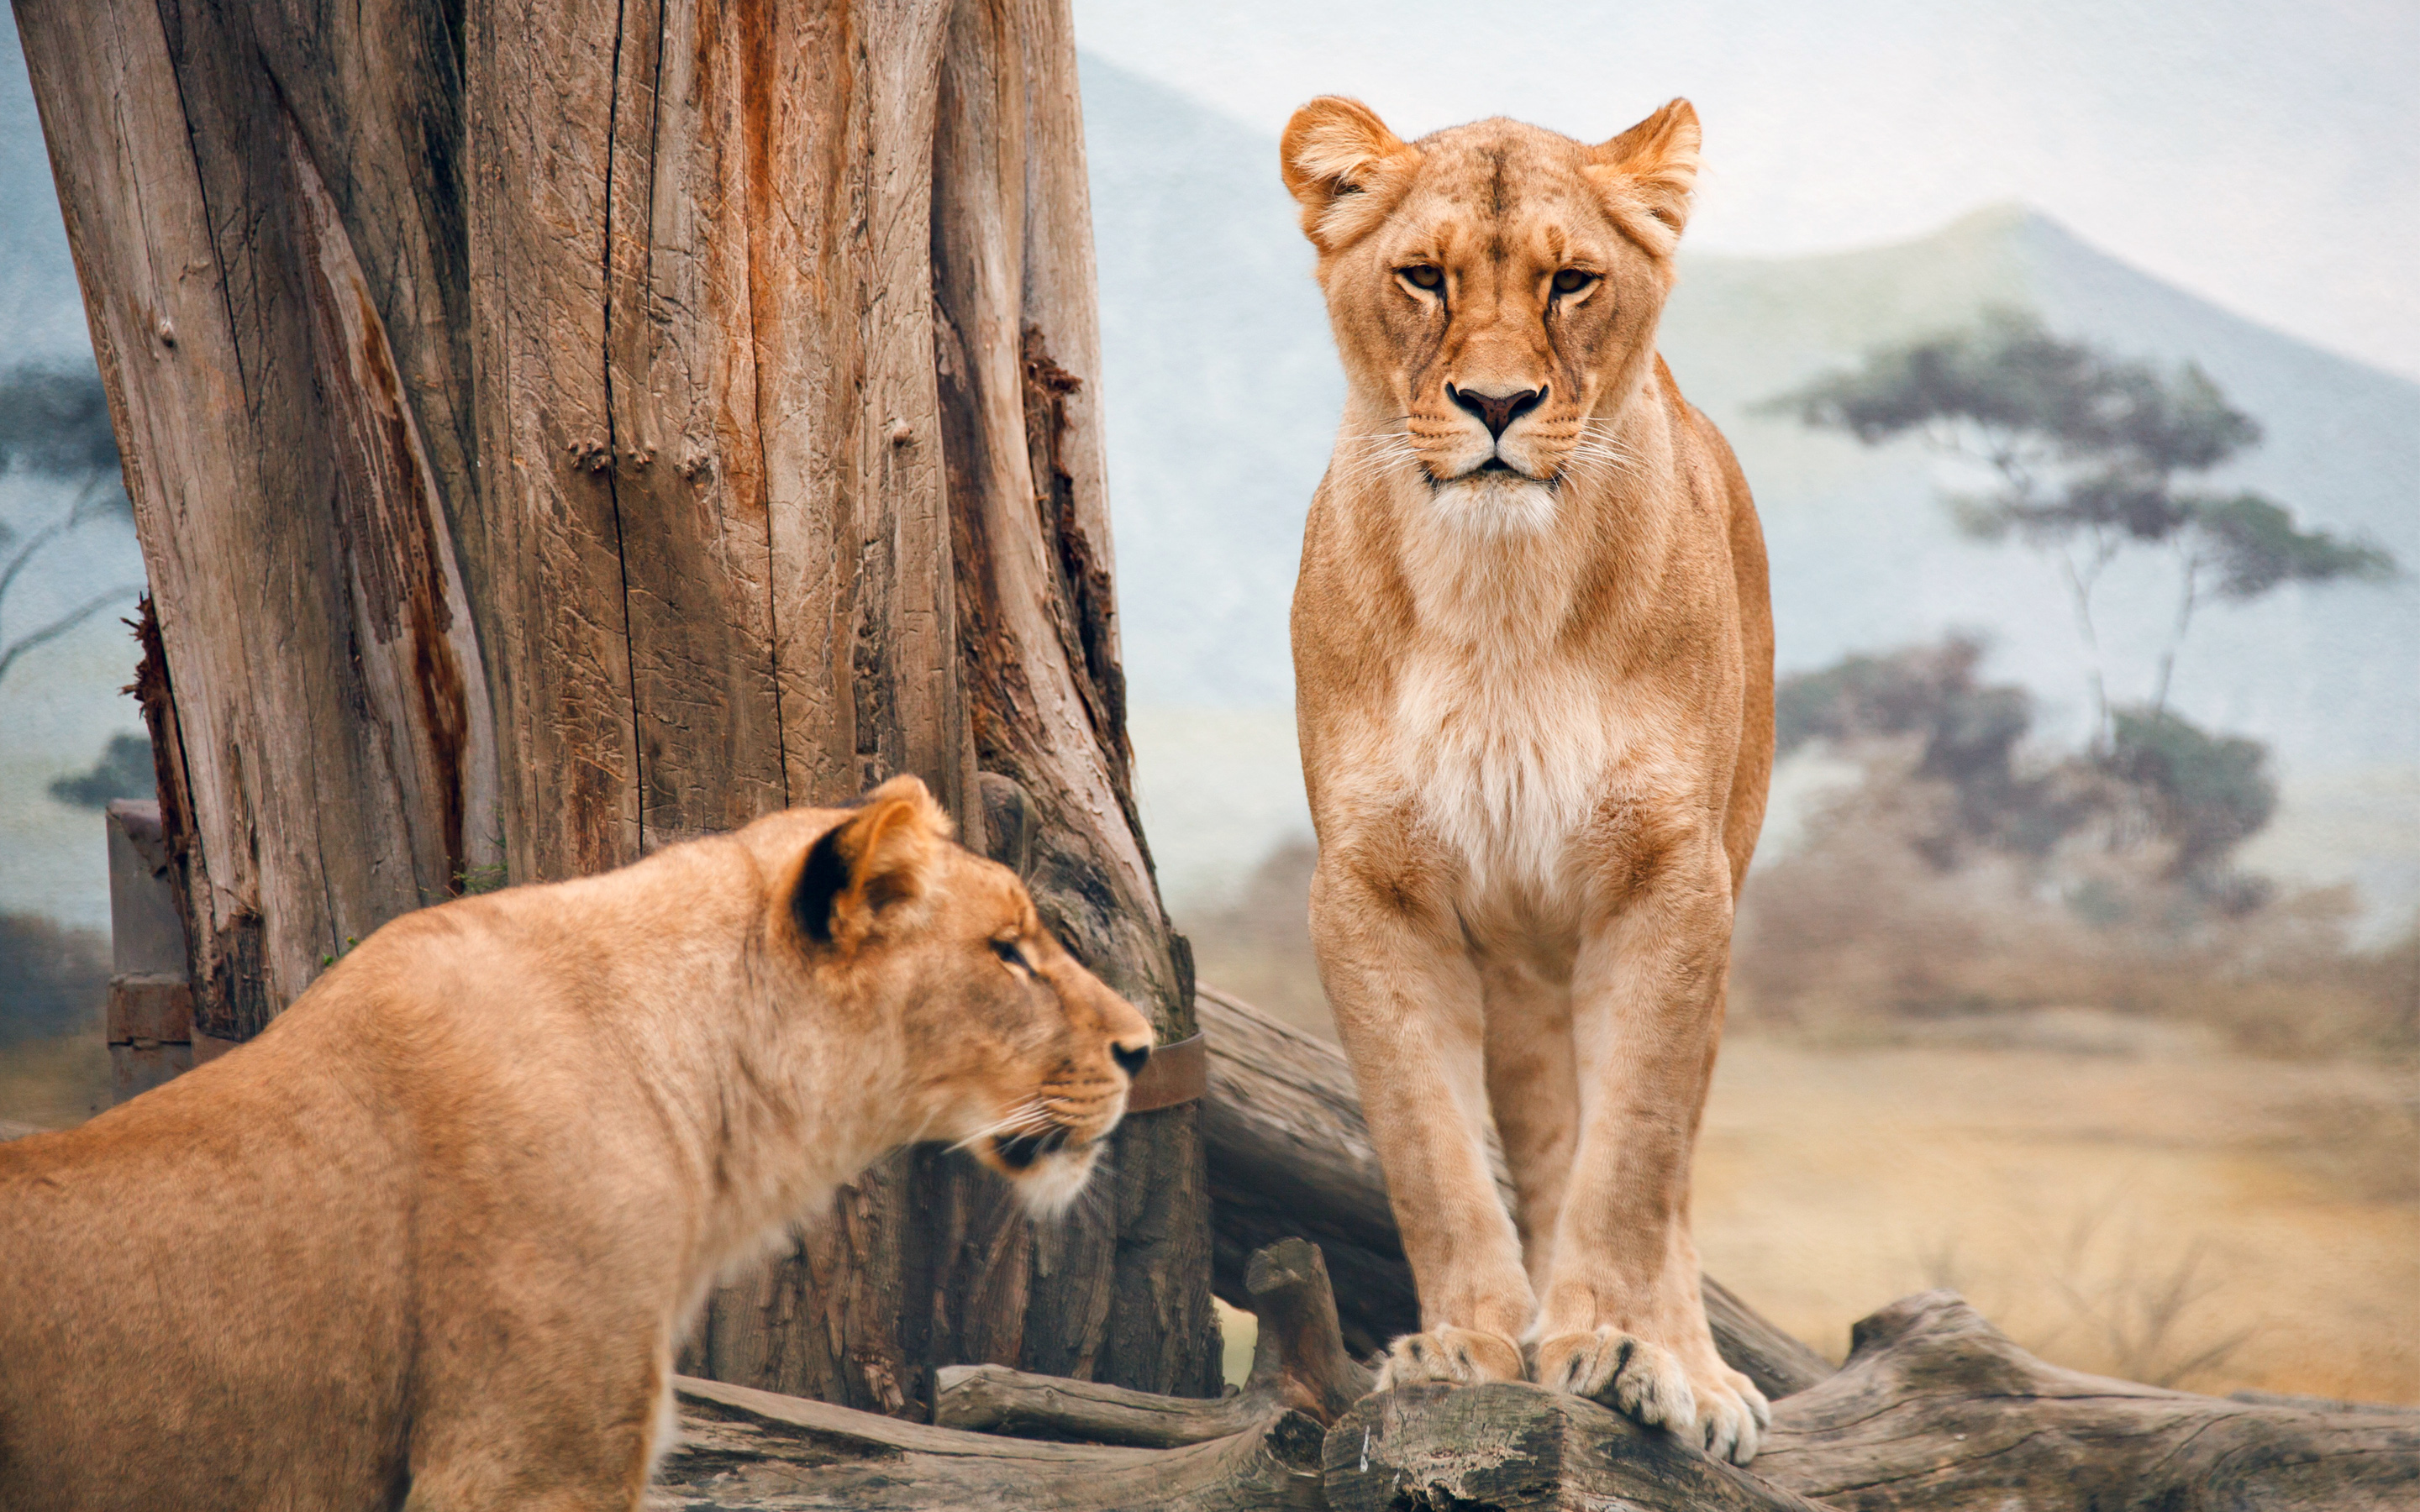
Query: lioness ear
point(862, 870)
point(1648, 172)
point(1344, 166)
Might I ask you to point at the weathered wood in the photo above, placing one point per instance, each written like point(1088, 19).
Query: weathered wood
point(1513, 1448)
point(1299, 1355)
point(557, 431)
point(1938, 1410)
point(1298, 1364)
point(992, 1399)
point(747, 1448)
point(1290, 1155)
point(330, 690)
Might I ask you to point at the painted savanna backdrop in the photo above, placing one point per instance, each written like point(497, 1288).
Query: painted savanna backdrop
point(2078, 968)
point(2071, 351)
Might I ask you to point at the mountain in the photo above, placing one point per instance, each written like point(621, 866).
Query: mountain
point(1222, 390)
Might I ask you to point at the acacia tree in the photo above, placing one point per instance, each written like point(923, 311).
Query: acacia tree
point(2091, 455)
point(54, 425)
point(557, 431)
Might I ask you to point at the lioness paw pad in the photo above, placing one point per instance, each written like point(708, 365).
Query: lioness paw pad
point(1448, 1357)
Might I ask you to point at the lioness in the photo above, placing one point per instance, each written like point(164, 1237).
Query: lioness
point(433, 1238)
point(1533, 660)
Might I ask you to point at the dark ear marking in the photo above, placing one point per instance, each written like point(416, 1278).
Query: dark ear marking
point(821, 879)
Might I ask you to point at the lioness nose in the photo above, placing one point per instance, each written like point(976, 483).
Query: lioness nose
point(1131, 1058)
point(1496, 411)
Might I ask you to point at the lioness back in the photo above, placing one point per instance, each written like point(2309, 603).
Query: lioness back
point(440, 1228)
point(1533, 667)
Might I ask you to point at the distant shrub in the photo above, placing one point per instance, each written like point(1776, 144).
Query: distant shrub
point(123, 771)
point(53, 979)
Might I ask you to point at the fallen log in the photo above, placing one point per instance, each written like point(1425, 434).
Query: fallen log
point(1299, 1365)
point(1291, 1156)
point(1936, 1409)
point(1114, 1448)
point(743, 1448)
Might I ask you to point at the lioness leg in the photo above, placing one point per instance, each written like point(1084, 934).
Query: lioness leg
point(540, 1427)
point(1623, 1319)
point(601, 1471)
point(1533, 1087)
point(1406, 1000)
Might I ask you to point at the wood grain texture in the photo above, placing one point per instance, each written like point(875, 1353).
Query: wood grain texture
point(1522, 1449)
point(331, 730)
point(1936, 1409)
point(553, 430)
point(749, 1449)
point(1299, 1365)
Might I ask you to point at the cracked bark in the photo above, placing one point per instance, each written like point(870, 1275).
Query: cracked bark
point(554, 430)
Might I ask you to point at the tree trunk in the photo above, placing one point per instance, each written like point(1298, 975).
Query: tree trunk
point(558, 431)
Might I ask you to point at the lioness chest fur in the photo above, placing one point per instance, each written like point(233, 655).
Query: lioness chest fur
point(1533, 658)
point(437, 1232)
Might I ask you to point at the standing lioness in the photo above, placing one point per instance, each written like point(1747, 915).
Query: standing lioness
point(435, 1234)
point(1533, 655)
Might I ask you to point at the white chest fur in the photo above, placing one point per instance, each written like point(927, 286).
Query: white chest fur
point(1506, 763)
point(1505, 732)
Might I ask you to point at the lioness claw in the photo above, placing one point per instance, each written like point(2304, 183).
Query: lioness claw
point(1648, 1383)
point(1448, 1357)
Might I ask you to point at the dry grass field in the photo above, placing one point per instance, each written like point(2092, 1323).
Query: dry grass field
point(2119, 1202)
point(53, 1083)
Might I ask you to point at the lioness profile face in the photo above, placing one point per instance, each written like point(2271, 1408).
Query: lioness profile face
point(1497, 282)
point(1021, 1056)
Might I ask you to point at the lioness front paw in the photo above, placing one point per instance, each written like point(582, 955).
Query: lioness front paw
point(1449, 1356)
point(1719, 1409)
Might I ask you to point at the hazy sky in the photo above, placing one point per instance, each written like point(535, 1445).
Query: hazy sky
point(2266, 156)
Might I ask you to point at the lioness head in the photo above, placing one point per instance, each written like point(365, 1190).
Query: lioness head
point(1017, 1052)
point(1495, 290)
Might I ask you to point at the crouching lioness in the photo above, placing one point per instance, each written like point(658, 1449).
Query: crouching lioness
point(1533, 660)
point(433, 1238)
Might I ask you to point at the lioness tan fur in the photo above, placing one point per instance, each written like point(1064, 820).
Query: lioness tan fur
point(433, 1237)
point(1533, 660)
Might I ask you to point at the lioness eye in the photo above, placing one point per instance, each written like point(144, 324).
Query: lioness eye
point(1423, 275)
point(1011, 954)
point(1572, 280)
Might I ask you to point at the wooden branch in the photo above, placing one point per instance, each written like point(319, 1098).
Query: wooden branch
point(743, 1448)
point(1300, 1358)
point(1936, 1409)
point(1291, 1156)
point(993, 1398)
point(1298, 1364)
